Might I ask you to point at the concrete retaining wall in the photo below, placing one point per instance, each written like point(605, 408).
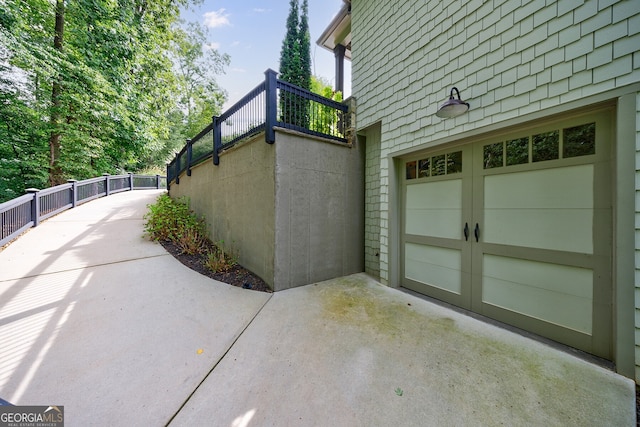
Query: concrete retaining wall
point(236, 198)
point(293, 210)
point(319, 210)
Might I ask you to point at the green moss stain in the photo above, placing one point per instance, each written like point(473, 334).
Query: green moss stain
point(494, 376)
point(353, 302)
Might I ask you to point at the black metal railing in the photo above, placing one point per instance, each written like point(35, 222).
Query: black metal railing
point(273, 103)
point(310, 113)
point(27, 211)
point(247, 117)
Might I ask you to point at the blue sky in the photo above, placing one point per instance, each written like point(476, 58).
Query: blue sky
point(251, 32)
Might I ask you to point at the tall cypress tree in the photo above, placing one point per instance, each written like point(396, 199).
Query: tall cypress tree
point(290, 53)
point(295, 65)
point(305, 48)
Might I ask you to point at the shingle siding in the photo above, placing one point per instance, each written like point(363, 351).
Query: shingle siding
point(507, 58)
point(372, 202)
point(637, 233)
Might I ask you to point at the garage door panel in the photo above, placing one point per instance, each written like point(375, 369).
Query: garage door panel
point(546, 209)
point(439, 194)
point(554, 229)
point(564, 187)
point(434, 266)
point(434, 209)
point(558, 294)
point(444, 223)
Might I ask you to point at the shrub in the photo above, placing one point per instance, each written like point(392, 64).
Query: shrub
point(218, 260)
point(172, 220)
point(191, 241)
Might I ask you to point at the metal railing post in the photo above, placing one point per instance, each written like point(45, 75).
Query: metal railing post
point(35, 206)
point(106, 184)
point(130, 181)
point(157, 182)
point(189, 156)
point(271, 88)
point(217, 143)
point(74, 192)
point(177, 167)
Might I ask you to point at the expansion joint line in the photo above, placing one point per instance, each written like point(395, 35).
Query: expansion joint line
point(218, 362)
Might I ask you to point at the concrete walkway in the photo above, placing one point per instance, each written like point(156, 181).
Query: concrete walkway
point(97, 319)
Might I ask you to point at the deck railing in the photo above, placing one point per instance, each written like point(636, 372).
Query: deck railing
point(27, 211)
point(273, 103)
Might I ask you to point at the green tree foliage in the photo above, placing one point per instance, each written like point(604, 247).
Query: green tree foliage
point(290, 53)
point(23, 97)
point(295, 65)
point(198, 96)
point(305, 48)
point(196, 67)
point(90, 87)
point(325, 119)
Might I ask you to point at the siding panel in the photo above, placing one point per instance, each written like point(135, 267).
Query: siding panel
point(507, 60)
point(637, 233)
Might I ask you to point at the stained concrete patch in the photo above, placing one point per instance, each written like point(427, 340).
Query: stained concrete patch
point(353, 352)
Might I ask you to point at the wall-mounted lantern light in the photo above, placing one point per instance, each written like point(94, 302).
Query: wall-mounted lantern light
point(453, 107)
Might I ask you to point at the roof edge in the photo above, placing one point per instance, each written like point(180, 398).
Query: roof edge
point(338, 31)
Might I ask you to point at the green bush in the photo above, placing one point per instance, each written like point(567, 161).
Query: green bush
point(172, 220)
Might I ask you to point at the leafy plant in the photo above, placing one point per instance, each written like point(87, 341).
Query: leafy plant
point(191, 241)
point(325, 119)
point(172, 220)
point(219, 260)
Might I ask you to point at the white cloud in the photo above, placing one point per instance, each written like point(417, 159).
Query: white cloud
point(235, 43)
point(217, 18)
point(260, 10)
point(238, 70)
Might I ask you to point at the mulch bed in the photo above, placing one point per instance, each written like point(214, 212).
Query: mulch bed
point(235, 276)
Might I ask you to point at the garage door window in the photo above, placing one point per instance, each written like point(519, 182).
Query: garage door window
point(574, 141)
point(443, 164)
point(579, 140)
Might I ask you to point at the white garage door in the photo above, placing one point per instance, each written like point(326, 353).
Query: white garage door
point(518, 228)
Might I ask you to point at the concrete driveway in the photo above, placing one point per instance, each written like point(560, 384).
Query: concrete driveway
point(97, 319)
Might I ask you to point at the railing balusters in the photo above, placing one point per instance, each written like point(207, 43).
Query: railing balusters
point(21, 213)
point(273, 103)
